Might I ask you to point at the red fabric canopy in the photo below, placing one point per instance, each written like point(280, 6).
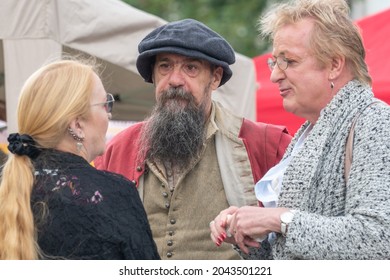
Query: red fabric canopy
point(376, 38)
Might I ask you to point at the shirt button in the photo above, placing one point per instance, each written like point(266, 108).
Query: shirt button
point(139, 168)
point(173, 221)
point(169, 254)
point(169, 242)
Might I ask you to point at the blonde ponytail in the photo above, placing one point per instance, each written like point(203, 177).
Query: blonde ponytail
point(17, 232)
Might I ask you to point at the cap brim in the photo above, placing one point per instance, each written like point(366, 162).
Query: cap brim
point(145, 62)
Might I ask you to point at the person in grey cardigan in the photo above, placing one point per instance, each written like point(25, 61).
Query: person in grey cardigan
point(316, 205)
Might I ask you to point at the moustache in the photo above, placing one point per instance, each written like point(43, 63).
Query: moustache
point(176, 93)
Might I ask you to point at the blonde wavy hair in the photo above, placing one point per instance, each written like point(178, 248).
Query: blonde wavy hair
point(49, 100)
point(334, 32)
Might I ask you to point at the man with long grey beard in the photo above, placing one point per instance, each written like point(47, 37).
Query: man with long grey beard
point(191, 158)
point(175, 131)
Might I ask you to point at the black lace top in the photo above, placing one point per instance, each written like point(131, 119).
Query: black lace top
point(84, 213)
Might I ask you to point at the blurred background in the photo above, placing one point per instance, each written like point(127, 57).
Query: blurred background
point(236, 20)
point(33, 32)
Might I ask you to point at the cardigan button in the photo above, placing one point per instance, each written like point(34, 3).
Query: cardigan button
point(167, 205)
point(165, 194)
point(169, 254)
point(169, 242)
point(173, 221)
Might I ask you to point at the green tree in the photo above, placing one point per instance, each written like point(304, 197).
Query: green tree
point(234, 20)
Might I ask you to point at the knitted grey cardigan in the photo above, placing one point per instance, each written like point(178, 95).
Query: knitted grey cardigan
point(338, 220)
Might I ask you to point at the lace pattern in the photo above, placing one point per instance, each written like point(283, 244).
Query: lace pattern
point(91, 214)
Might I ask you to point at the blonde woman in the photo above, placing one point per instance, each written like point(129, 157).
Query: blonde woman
point(53, 203)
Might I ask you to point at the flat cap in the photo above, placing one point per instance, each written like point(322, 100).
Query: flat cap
point(186, 37)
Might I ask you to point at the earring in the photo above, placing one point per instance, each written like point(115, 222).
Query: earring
point(79, 146)
point(331, 85)
point(79, 140)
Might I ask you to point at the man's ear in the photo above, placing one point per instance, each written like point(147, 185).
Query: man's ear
point(217, 77)
point(336, 67)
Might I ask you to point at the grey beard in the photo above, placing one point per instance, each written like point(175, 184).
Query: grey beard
point(175, 131)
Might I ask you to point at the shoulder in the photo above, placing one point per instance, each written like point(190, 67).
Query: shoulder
point(122, 147)
point(108, 178)
point(265, 143)
point(113, 189)
point(259, 131)
point(374, 121)
point(82, 186)
point(264, 126)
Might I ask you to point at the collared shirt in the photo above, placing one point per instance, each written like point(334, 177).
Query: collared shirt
point(267, 190)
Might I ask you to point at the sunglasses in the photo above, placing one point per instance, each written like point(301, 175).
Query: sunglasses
point(108, 104)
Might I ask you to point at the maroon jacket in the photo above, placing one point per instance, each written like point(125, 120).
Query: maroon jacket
point(265, 145)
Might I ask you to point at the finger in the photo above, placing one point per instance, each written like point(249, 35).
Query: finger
point(219, 227)
point(214, 238)
point(227, 226)
point(214, 233)
point(249, 242)
point(226, 214)
point(218, 234)
point(224, 220)
point(230, 240)
point(238, 237)
point(240, 242)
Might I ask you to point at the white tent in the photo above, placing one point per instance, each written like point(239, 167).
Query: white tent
point(36, 31)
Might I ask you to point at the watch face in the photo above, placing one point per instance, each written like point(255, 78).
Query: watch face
point(287, 217)
point(285, 220)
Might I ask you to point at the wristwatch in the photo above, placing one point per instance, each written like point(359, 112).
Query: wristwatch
point(285, 220)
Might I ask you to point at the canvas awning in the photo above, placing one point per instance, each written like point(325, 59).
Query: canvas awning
point(36, 31)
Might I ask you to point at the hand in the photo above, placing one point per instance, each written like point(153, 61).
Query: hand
point(220, 225)
point(222, 230)
point(250, 223)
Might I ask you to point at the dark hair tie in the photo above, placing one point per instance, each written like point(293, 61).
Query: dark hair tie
point(23, 145)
